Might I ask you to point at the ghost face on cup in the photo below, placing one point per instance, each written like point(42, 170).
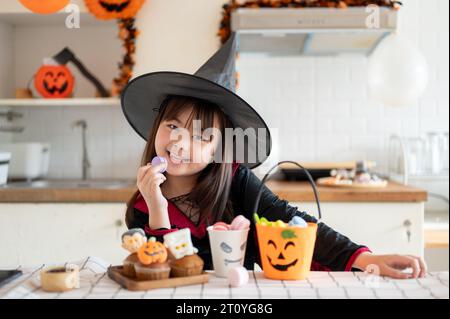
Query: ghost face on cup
point(232, 255)
point(179, 243)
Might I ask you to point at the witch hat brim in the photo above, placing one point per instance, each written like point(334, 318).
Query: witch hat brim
point(213, 82)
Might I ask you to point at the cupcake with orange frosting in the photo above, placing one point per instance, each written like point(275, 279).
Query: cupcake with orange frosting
point(152, 263)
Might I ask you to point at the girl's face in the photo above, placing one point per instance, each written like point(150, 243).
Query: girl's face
point(187, 150)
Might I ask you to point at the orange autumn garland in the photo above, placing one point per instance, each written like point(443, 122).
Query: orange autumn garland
point(124, 11)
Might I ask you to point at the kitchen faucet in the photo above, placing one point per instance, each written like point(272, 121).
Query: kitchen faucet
point(10, 116)
point(86, 164)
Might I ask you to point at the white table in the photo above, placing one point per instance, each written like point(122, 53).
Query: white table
point(94, 283)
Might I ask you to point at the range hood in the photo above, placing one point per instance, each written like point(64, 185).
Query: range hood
point(311, 31)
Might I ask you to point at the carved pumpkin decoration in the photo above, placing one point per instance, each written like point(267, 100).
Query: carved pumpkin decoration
point(54, 81)
point(44, 6)
point(152, 252)
point(286, 252)
point(114, 9)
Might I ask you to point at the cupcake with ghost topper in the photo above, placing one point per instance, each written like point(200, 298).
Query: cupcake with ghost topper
point(184, 259)
point(152, 263)
point(132, 240)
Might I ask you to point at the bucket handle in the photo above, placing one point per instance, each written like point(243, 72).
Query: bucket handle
point(310, 180)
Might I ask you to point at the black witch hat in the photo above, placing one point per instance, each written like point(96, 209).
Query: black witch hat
point(214, 82)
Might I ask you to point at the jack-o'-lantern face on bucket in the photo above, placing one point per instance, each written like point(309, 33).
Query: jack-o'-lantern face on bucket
point(286, 252)
point(277, 255)
point(54, 81)
point(114, 9)
point(44, 6)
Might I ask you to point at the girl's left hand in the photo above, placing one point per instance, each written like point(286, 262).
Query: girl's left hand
point(393, 265)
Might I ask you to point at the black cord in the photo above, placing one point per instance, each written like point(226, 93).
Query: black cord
point(310, 180)
point(439, 196)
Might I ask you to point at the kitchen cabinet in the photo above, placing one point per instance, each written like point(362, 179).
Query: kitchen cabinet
point(386, 228)
point(55, 232)
point(54, 225)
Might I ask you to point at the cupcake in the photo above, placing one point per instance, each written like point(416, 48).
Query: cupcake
point(191, 265)
point(154, 271)
point(184, 261)
point(132, 240)
point(152, 263)
point(128, 265)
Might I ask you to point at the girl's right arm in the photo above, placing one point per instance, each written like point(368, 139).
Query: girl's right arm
point(149, 180)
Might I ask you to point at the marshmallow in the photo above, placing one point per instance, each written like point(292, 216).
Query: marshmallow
point(237, 276)
point(240, 223)
point(221, 226)
point(297, 221)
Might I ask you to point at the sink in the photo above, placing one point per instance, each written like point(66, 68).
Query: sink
point(73, 184)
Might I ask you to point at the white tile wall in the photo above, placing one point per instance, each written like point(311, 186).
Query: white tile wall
point(6, 71)
point(319, 105)
point(114, 148)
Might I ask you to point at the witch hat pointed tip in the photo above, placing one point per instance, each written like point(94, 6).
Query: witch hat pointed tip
point(220, 68)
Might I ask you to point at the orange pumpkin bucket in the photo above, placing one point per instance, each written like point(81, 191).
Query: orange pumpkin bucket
point(286, 251)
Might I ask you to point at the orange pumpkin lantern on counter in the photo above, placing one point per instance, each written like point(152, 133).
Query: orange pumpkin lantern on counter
point(54, 81)
point(152, 252)
point(286, 252)
point(114, 9)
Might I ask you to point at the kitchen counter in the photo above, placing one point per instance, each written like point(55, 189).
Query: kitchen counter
point(100, 213)
point(290, 191)
point(94, 283)
point(302, 192)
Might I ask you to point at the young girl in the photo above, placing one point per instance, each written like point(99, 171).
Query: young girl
point(204, 183)
point(195, 195)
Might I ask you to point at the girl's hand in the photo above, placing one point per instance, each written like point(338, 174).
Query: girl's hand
point(392, 265)
point(149, 180)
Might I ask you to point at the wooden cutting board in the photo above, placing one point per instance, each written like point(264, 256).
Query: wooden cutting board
point(115, 273)
point(327, 165)
point(331, 182)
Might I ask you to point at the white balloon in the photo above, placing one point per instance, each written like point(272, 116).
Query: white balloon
point(397, 72)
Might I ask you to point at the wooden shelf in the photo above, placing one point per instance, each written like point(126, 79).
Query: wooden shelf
point(60, 102)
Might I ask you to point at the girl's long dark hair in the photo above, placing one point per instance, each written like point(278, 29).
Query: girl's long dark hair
point(211, 194)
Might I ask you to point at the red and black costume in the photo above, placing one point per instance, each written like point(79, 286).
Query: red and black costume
point(333, 251)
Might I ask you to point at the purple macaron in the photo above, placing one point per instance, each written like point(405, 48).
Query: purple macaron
point(159, 160)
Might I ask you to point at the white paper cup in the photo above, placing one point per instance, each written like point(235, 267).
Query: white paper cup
point(227, 249)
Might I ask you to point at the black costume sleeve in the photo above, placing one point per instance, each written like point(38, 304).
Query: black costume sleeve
point(140, 220)
point(332, 250)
